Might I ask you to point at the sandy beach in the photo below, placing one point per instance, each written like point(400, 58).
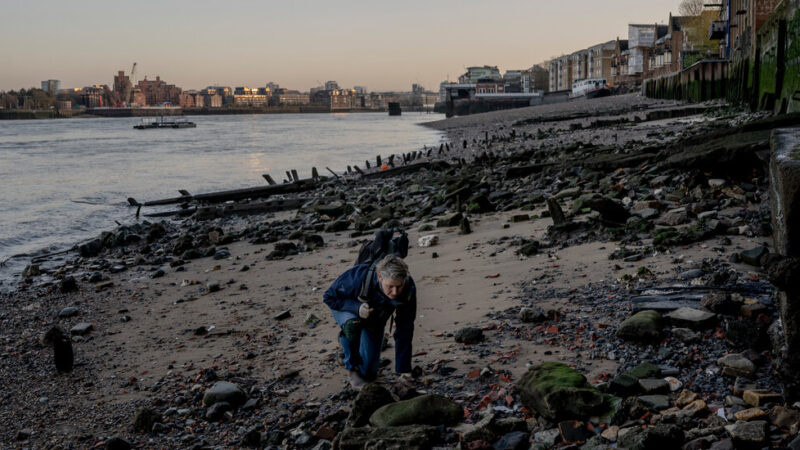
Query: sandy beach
point(160, 342)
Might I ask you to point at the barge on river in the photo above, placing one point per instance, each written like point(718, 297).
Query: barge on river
point(161, 123)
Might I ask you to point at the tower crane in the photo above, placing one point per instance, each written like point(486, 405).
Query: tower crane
point(129, 87)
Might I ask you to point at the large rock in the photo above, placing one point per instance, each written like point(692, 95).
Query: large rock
point(469, 335)
point(736, 365)
point(661, 437)
point(451, 220)
point(558, 392)
point(748, 434)
point(610, 211)
point(644, 325)
point(410, 437)
point(369, 399)
point(423, 410)
point(691, 318)
point(223, 391)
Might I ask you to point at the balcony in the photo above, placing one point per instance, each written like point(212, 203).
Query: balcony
point(716, 31)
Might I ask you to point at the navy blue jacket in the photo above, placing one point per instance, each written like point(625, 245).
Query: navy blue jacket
point(343, 296)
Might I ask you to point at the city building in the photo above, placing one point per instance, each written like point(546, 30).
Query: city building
point(619, 64)
point(92, 97)
point(331, 86)
point(476, 73)
point(245, 96)
point(737, 25)
point(360, 90)
point(600, 58)
point(417, 88)
point(561, 73)
point(535, 79)
point(282, 96)
point(580, 65)
point(50, 86)
point(343, 99)
point(123, 87)
point(158, 92)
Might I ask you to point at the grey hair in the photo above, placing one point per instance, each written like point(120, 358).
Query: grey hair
point(393, 266)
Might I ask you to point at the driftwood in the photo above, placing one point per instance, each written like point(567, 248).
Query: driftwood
point(240, 209)
point(235, 194)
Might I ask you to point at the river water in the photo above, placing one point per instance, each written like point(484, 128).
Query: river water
point(64, 181)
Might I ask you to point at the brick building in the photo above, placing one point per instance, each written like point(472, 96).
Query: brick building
point(158, 92)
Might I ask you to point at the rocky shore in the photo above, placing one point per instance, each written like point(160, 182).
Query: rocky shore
point(599, 277)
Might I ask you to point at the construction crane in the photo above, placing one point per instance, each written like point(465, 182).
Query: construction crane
point(129, 86)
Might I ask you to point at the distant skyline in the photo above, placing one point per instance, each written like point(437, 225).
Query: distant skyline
point(381, 45)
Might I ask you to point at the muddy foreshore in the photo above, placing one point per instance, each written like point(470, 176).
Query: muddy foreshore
point(617, 246)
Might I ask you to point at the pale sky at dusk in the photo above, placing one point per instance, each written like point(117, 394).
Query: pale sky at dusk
point(378, 44)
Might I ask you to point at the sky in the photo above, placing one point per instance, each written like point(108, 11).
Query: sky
point(299, 44)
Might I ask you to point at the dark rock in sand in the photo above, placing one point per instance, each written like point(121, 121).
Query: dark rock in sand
point(67, 285)
point(691, 318)
point(369, 399)
point(222, 253)
point(67, 312)
point(720, 303)
point(145, 419)
point(191, 253)
point(748, 434)
point(410, 437)
point(469, 335)
point(81, 329)
point(529, 248)
point(91, 248)
point(63, 356)
point(252, 439)
point(217, 411)
point(754, 255)
point(644, 325)
point(117, 443)
point(532, 315)
point(423, 410)
point(516, 440)
point(337, 226)
point(450, 221)
point(223, 391)
point(610, 210)
point(555, 211)
point(313, 241)
point(661, 437)
point(556, 391)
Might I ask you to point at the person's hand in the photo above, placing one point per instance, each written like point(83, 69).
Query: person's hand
point(364, 311)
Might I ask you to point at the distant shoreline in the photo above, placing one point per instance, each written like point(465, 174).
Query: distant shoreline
point(155, 112)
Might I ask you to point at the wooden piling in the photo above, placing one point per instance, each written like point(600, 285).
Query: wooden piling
point(269, 179)
point(294, 175)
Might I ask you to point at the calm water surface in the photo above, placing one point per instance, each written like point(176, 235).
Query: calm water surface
point(63, 181)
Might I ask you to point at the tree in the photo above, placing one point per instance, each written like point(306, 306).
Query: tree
point(691, 7)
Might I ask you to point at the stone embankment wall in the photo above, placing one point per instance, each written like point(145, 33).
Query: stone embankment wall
point(770, 81)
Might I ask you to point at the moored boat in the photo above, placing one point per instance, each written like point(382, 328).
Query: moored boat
point(590, 88)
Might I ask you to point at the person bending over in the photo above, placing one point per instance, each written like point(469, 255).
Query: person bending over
point(361, 307)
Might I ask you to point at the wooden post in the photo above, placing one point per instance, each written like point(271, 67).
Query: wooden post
point(294, 175)
point(378, 160)
point(334, 173)
point(366, 163)
point(314, 173)
point(349, 169)
point(358, 170)
point(289, 176)
point(269, 179)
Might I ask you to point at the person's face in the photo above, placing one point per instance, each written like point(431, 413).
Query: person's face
point(391, 287)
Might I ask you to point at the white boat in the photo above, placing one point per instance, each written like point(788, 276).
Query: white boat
point(590, 88)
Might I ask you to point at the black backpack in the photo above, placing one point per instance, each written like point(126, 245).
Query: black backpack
point(384, 244)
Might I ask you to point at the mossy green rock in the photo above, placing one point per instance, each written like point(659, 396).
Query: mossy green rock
point(645, 325)
point(424, 410)
point(558, 392)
